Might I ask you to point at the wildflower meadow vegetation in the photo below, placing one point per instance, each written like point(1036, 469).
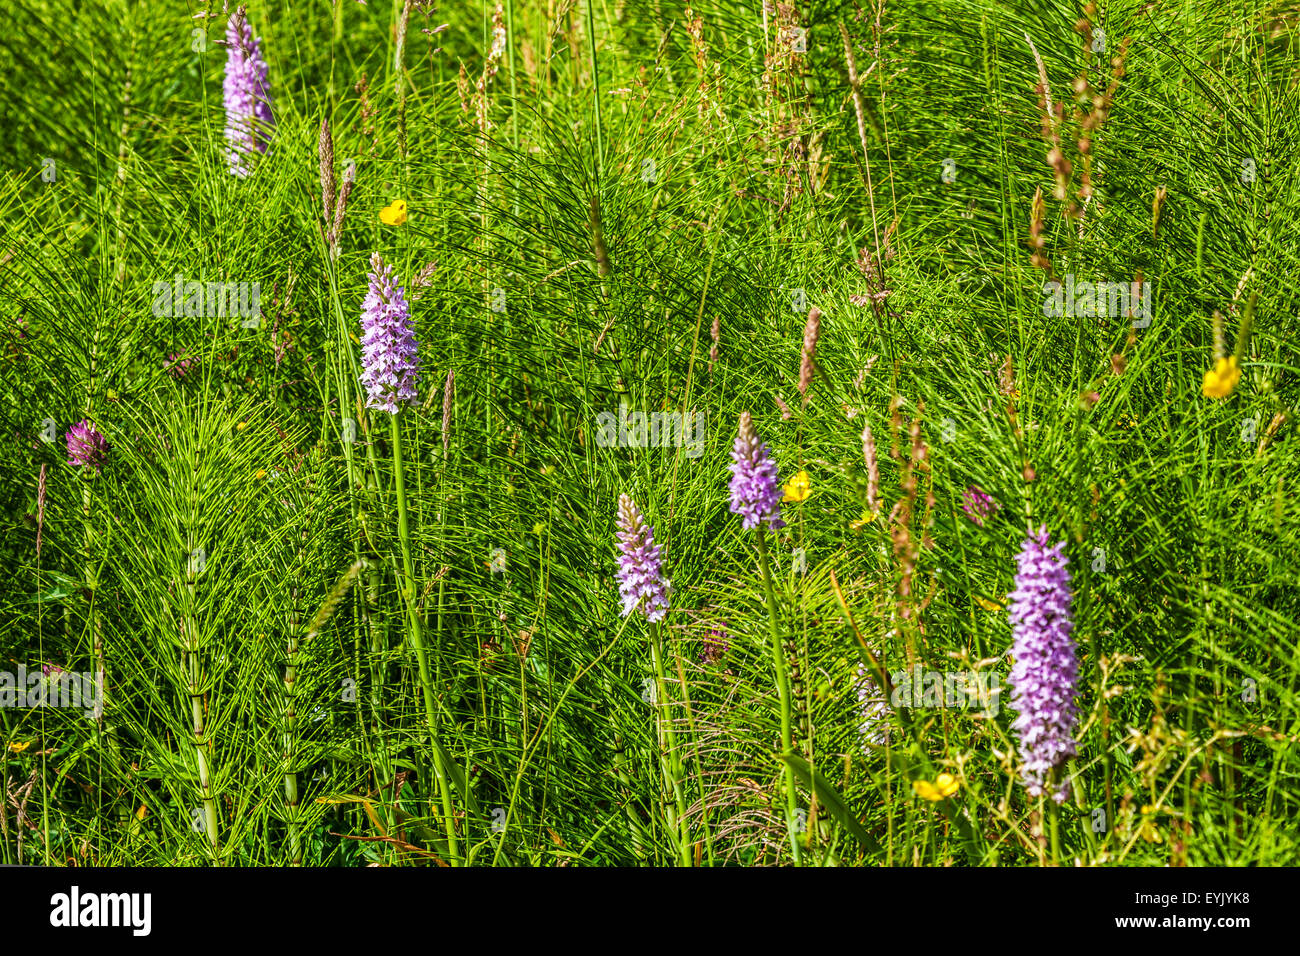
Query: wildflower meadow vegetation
point(633, 433)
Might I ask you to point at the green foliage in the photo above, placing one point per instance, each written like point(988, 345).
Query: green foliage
point(736, 186)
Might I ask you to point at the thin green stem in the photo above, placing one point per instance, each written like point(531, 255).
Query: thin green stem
point(1055, 812)
point(595, 79)
point(417, 641)
point(782, 689)
point(673, 767)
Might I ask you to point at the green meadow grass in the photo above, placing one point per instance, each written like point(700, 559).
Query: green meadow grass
point(585, 208)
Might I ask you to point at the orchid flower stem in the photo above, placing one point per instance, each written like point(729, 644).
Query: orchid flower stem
point(1055, 812)
point(417, 641)
point(782, 689)
point(673, 766)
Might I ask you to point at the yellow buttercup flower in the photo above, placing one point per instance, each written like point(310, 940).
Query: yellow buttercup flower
point(140, 814)
point(393, 214)
point(944, 786)
point(866, 519)
point(19, 748)
point(797, 488)
point(1148, 829)
point(261, 473)
point(1222, 379)
point(241, 426)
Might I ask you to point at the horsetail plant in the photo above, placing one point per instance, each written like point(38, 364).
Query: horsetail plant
point(177, 572)
point(290, 713)
point(178, 554)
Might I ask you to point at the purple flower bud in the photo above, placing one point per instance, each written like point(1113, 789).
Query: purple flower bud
point(247, 95)
point(86, 447)
point(179, 363)
point(390, 359)
point(978, 505)
point(641, 583)
point(1044, 677)
point(755, 491)
point(716, 645)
